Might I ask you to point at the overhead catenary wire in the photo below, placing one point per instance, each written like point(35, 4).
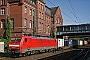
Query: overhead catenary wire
point(69, 17)
point(51, 3)
point(62, 11)
point(74, 13)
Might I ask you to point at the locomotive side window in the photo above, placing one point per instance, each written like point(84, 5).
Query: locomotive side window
point(25, 39)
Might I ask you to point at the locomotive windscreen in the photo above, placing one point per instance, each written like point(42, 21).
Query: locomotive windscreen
point(15, 39)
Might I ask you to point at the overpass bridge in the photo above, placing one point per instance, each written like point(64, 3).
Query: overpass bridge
point(80, 30)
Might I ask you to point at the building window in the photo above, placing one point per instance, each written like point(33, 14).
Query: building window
point(42, 16)
point(12, 23)
point(88, 27)
point(39, 14)
point(39, 25)
point(25, 9)
point(58, 20)
point(30, 0)
point(39, 5)
point(2, 11)
point(2, 2)
point(30, 24)
point(48, 28)
point(3, 24)
point(47, 18)
point(31, 12)
point(42, 27)
point(42, 7)
point(33, 2)
point(25, 22)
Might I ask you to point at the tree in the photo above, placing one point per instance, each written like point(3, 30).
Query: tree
point(8, 29)
point(52, 35)
point(77, 38)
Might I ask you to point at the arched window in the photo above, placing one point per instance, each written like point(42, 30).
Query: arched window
point(3, 23)
point(31, 12)
point(2, 11)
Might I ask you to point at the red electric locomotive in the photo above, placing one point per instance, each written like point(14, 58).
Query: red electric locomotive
point(26, 45)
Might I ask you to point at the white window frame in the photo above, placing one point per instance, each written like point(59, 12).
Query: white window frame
point(30, 23)
point(2, 2)
point(58, 21)
point(2, 11)
point(39, 14)
point(25, 9)
point(25, 22)
point(31, 12)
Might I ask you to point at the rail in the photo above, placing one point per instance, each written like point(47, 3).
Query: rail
point(83, 55)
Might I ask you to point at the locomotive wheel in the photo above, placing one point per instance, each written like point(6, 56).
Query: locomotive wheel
point(49, 50)
point(28, 53)
point(16, 55)
point(45, 50)
point(24, 54)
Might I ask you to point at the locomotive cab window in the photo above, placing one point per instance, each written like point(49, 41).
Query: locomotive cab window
point(25, 39)
point(15, 39)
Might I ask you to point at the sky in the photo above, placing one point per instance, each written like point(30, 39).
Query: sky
point(73, 11)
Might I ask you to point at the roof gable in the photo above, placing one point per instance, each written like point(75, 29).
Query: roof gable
point(53, 10)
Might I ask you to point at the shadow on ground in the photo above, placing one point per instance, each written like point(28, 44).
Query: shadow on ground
point(62, 56)
point(4, 55)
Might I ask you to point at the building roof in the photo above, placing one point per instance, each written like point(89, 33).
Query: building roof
point(53, 10)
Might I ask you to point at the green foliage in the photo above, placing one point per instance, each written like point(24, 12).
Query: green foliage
point(89, 40)
point(77, 38)
point(8, 29)
point(52, 35)
point(5, 41)
point(7, 33)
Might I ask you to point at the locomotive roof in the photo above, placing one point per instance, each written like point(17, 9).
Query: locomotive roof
point(40, 37)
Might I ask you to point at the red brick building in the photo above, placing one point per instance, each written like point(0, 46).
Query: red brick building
point(29, 17)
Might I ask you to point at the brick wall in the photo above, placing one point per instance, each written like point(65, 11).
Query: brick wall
point(43, 23)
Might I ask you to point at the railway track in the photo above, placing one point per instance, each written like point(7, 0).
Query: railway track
point(82, 55)
point(36, 56)
point(66, 54)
